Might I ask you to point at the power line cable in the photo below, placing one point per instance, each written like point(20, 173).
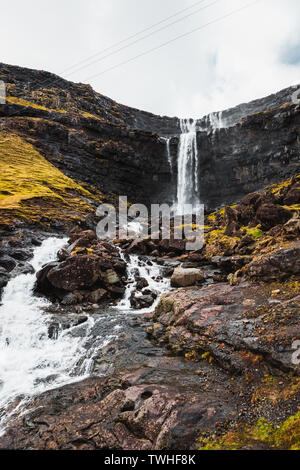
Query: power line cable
point(48, 81)
point(171, 41)
point(131, 37)
point(143, 37)
point(157, 47)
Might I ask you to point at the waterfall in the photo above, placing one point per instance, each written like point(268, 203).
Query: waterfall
point(216, 121)
point(169, 153)
point(187, 183)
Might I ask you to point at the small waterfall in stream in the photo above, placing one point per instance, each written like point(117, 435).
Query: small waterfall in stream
point(146, 269)
point(187, 182)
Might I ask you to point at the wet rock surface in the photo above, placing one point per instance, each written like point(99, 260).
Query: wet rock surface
point(147, 399)
point(16, 249)
point(238, 326)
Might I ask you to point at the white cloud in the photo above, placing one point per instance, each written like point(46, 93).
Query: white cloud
point(229, 62)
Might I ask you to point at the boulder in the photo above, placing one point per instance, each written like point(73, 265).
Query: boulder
point(270, 215)
point(96, 296)
point(292, 228)
point(251, 199)
point(230, 263)
point(110, 277)
point(139, 245)
point(141, 301)
point(42, 284)
point(186, 277)
point(77, 272)
point(7, 262)
point(84, 235)
point(172, 245)
point(279, 265)
point(70, 299)
point(292, 197)
point(141, 283)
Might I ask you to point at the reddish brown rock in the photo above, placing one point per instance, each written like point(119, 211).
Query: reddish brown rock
point(293, 196)
point(172, 245)
point(279, 265)
point(113, 414)
point(239, 326)
point(77, 272)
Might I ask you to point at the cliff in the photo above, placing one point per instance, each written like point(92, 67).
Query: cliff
point(112, 149)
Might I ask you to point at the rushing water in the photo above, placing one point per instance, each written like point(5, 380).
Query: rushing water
point(150, 272)
point(187, 184)
point(168, 139)
point(30, 361)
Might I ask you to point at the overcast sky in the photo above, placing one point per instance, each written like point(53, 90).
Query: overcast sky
point(245, 56)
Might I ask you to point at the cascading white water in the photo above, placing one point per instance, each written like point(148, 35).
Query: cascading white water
point(187, 184)
point(150, 272)
point(216, 121)
point(30, 361)
point(169, 154)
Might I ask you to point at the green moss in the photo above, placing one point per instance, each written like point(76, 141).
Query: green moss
point(32, 188)
point(285, 436)
point(278, 187)
point(30, 104)
point(255, 232)
point(216, 242)
point(293, 208)
point(91, 116)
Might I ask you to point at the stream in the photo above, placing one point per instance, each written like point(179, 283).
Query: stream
point(31, 360)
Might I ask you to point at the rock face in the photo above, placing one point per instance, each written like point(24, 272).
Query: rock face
point(121, 150)
point(97, 414)
point(279, 265)
point(236, 326)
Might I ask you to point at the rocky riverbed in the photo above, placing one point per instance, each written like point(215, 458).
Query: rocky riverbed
point(137, 343)
point(211, 367)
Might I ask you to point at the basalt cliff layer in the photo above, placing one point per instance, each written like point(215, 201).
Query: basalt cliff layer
point(110, 148)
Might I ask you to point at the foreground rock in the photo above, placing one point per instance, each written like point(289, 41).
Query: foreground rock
point(97, 415)
point(157, 402)
point(242, 328)
point(280, 265)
